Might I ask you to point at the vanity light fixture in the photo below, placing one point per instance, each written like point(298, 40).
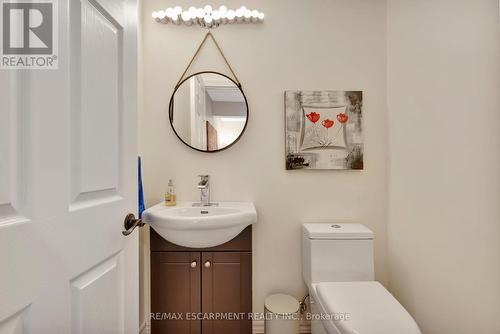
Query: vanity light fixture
point(208, 17)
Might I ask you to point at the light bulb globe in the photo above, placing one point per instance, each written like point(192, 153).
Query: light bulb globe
point(230, 14)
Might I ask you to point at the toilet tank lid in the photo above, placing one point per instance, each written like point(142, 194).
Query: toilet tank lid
point(333, 231)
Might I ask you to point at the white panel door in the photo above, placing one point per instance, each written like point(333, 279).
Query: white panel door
point(68, 177)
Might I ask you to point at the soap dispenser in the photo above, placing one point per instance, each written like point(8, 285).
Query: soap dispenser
point(170, 199)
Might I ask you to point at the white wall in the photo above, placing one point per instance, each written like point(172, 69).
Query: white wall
point(444, 110)
point(317, 44)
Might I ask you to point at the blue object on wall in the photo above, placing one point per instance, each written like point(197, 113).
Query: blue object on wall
point(141, 192)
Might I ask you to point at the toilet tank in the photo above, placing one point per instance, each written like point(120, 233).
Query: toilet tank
point(337, 253)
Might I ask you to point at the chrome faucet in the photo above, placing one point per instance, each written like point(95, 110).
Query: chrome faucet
point(204, 186)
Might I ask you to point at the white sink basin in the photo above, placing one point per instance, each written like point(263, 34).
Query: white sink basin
point(200, 226)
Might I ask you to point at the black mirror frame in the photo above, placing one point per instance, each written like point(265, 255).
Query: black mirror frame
point(171, 111)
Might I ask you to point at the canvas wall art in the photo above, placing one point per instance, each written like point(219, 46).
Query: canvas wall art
point(324, 129)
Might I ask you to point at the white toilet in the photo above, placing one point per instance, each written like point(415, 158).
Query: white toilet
point(338, 270)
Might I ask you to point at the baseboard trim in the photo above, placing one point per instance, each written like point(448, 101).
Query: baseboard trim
point(258, 327)
point(144, 328)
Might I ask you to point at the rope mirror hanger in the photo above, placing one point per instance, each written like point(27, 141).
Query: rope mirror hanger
point(208, 34)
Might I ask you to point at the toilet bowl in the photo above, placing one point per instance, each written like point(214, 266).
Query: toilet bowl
point(338, 270)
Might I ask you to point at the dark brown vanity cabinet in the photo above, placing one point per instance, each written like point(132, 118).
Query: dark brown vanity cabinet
point(191, 289)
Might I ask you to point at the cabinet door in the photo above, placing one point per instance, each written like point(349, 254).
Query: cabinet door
point(176, 289)
point(227, 289)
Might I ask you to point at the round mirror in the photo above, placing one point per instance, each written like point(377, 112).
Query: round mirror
point(208, 111)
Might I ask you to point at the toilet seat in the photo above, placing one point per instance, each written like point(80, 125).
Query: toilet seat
point(370, 308)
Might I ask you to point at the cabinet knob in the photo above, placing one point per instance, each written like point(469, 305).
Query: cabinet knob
point(193, 264)
point(207, 264)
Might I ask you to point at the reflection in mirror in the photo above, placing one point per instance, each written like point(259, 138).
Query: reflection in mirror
point(208, 111)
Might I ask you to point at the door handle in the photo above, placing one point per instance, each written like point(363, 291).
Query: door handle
point(207, 264)
point(131, 223)
point(193, 264)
